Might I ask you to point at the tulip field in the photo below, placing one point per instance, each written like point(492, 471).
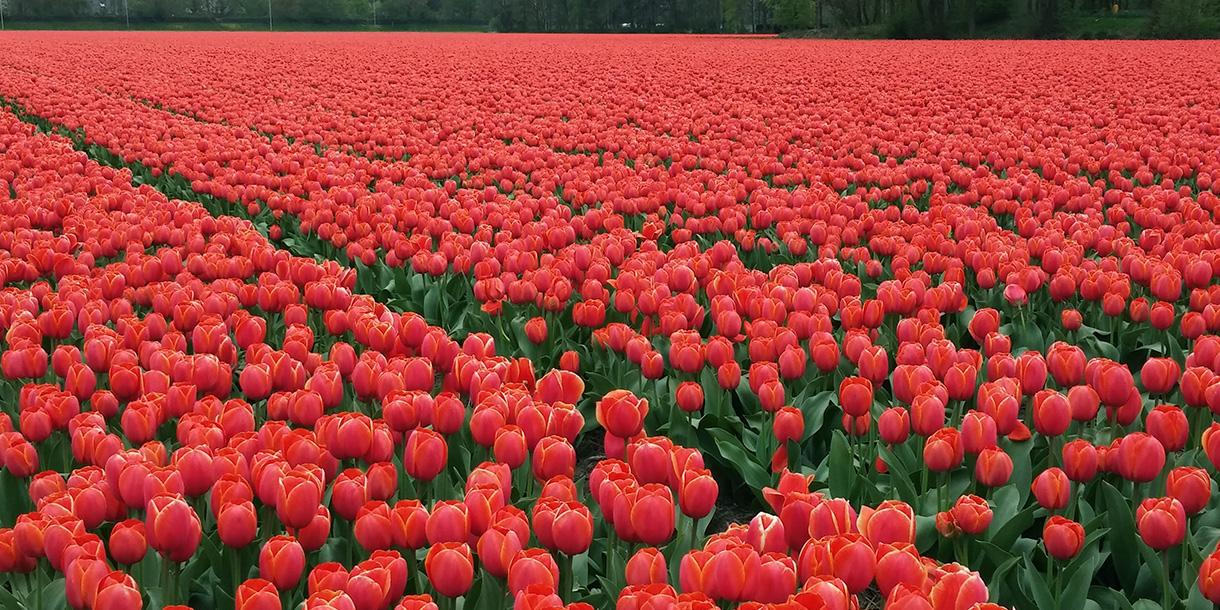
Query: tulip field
point(442, 321)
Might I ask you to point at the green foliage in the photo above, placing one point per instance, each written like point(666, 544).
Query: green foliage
point(159, 10)
point(794, 14)
point(1186, 19)
point(903, 19)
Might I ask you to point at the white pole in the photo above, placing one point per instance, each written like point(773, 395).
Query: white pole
point(127, 13)
point(270, 26)
point(1, 14)
point(374, 3)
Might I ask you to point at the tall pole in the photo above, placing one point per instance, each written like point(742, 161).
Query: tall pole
point(127, 13)
point(374, 3)
point(1, 14)
point(270, 26)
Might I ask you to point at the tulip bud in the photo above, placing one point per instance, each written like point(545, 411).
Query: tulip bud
point(1209, 577)
point(993, 467)
point(621, 413)
point(1161, 522)
point(847, 557)
point(1062, 537)
point(766, 534)
point(426, 454)
point(127, 542)
point(697, 493)
point(553, 456)
point(373, 528)
point(172, 527)
point(971, 514)
point(1168, 425)
point(894, 425)
point(1140, 457)
point(1080, 460)
point(282, 562)
point(689, 396)
point(535, 330)
point(892, 522)
point(1052, 489)
point(647, 567)
point(1191, 486)
point(256, 594)
point(118, 591)
point(943, 450)
point(532, 567)
point(897, 565)
point(450, 568)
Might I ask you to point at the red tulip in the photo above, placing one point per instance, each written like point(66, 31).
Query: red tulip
point(127, 542)
point(1160, 375)
point(1080, 460)
point(1062, 537)
point(1161, 522)
point(172, 527)
point(117, 591)
point(892, 522)
point(958, 591)
point(1191, 486)
point(497, 547)
point(553, 456)
point(1052, 413)
point(847, 557)
point(450, 568)
point(535, 330)
point(855, 396)
point(449, 521)
point(257, 594)
point(532, 567)
point(971, 514)
point(943, 450)
point(650, 511)
point(647, 567)
point(1052, 488)
point(689, 396)
point(1168, 425)
point(373, 527)
point(899, 564)
point(1209, 577)
point(993, 467)
point(298, 497)
point(621, 413)
point(697, 493)
point(426, 454)
point(1140, 457)
point(282, 562)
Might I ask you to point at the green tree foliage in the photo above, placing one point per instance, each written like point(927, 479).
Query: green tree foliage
point(45, 9)
point(794, 14)
point(158, 10)
point(893, 18)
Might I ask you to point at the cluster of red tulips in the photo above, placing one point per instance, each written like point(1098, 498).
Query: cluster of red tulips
point(299, 324)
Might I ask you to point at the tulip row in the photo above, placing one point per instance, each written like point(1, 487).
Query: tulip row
point(967, 304)
point(345, 462)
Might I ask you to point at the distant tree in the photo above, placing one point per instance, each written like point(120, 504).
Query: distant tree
point(47, 9)
point(794, 14)
point(405, 11)
point(158, 10)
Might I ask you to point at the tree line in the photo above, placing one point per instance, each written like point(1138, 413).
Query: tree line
point(867, 18)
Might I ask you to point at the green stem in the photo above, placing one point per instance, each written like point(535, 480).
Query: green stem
point(1166, 585)
point(413, 585)
point(235, 569)
point(566, 591)
point(166, 584)
point(38, 587)
point(692, 531)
